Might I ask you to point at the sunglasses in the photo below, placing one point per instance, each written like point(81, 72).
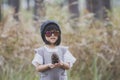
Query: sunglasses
point(49, 33)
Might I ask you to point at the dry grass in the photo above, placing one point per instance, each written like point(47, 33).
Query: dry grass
point(95, 45)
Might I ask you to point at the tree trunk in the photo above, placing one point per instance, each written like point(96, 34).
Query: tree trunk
point(0, 11)
point(98, 7)
point(74, 13)
point(73, 8)
point(39, 9)
point(9, 2)
point(107, 8)
point(0, 14)
point(16, 6)
point(28, 5)
point(107, 4)
point(95, 6)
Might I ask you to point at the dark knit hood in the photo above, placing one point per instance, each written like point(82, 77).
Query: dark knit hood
point(47, 24)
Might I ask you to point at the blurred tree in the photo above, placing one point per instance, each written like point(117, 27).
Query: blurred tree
point(28, 5)
point(0, 10)
point(107, 7)
point(39, 9)
point(9, 2)
point(16, 6)
point(99, 7)
point(73, 8)
point(0, 14)
point(107, 4)
point(74, 13)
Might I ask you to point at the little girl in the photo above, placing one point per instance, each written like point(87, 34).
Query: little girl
point(52, 60)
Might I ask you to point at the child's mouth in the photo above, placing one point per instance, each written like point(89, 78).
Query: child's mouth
point(53, 38)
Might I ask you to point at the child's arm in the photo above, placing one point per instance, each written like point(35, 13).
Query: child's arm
point(41, 68)
point(63, 65)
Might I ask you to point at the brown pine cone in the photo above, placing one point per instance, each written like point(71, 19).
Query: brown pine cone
point(54, 58)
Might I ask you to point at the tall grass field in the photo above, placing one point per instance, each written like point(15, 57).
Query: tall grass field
point(95, 44)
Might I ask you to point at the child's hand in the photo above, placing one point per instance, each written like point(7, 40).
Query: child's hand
point(51, 65)
point(60, 64)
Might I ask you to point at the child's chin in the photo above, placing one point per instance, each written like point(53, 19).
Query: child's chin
point(52, 42)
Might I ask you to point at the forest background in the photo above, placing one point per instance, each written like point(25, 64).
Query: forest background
point(93, 40)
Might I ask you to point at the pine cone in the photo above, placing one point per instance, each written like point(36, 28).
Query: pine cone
point(54, 58)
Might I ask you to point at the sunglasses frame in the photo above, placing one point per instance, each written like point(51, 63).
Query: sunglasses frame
point(49, 33)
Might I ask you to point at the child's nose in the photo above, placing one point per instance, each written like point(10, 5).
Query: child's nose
point(53, 34)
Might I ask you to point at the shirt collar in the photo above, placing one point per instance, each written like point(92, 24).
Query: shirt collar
point(51, 49)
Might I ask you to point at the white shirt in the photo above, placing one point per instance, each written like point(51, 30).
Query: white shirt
point(68, 57)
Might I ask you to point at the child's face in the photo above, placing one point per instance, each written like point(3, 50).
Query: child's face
point(52, 36)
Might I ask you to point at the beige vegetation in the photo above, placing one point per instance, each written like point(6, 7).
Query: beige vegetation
point(95, 45)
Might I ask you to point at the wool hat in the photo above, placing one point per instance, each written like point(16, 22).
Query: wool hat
point(46, 24)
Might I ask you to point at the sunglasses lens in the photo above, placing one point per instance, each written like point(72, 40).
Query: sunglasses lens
point(48, 33)
point(56, 33)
